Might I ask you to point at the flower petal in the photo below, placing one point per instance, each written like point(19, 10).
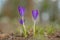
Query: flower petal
point(21, 21)
point(34, 13)
point(21, 10)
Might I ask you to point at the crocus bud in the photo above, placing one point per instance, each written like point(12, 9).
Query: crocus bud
point(35, 14)
point(21, 10)
point(21, 21)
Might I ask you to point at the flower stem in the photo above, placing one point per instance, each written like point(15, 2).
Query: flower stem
point(34, 32)
point(24, 28)
point(25, 32)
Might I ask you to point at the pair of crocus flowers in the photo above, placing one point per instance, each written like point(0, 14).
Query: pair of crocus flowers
point(22, 12)
point(21, 21)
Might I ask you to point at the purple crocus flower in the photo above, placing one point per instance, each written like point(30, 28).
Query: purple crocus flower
point(21, 21)
point(21, 10)
point(35, 14)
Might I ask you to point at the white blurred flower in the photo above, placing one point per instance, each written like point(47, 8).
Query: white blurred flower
point(45, 16)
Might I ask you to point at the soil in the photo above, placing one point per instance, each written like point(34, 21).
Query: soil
point(55, 36)
point(11, 36)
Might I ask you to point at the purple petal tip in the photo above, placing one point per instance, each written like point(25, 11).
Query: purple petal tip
point(21, 21)
point(34, 13)
point(21, 10)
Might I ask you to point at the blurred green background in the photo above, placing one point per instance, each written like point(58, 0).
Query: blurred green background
point(49, 12)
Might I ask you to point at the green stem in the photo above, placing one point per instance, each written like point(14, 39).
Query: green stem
point(25, 32)
point(24, 28)
point(34, 32)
